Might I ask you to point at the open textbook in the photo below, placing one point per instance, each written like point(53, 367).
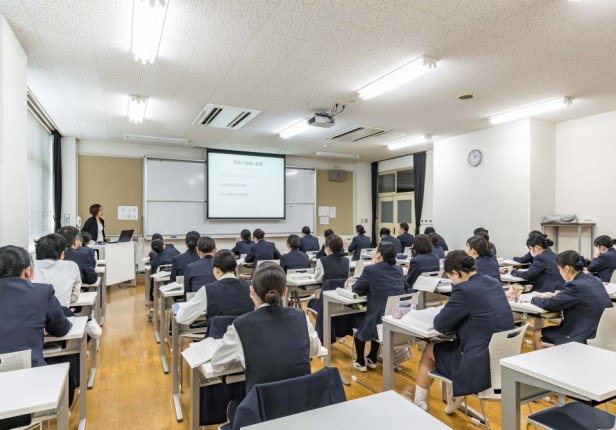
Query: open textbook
point(430, 283)
point(199, 353)
point(422, 319)
point(173, 286)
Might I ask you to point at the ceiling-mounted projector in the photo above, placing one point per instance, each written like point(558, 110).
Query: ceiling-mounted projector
point(322, 120)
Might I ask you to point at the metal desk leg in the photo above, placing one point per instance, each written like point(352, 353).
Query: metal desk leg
point(103, 297)
point(176, 364)
point(327, 331)
point(162, 332)
point(421, 300)
point(82, 382)
point(62, 420)
point(194, 398)
point(93, 354)
point(155, 317)
point(388, 358)
point(510, 400)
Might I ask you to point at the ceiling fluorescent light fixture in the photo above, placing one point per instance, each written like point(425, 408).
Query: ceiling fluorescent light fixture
point(530, 111)
point(400, 76)
point(148, 22)
point(136, 108)
point(157, 139)
point(297, 128)
point(337, 155)
point(417, 140)
point(250, 148)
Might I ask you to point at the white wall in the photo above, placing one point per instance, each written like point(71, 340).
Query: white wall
point(542, 171)
point(69, 179)
point(585, 169)
point(494, 195)
point(13, 140)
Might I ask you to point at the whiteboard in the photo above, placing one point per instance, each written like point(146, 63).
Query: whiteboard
point(174, 201)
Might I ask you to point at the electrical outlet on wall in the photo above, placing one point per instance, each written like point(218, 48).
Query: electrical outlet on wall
point(67, 219)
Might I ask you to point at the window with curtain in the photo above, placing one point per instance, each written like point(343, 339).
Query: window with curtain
point(40, 219)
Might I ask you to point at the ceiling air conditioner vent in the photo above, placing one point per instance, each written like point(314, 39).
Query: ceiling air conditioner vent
point(229, 117)
point(357, 133)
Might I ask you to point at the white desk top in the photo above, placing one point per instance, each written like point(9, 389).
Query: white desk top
point(507, 262)
point(101, 262)
point(412, 330)
point(99, 269)
point(76, 332)
point(575, 367)
point(344, 300)
point(31, 390)
point(297, 282)
point(508, 277)
point(160, 276)
point(386, 410)
point(86, 298)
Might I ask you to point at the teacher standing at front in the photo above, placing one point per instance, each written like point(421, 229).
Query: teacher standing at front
point(95, 225)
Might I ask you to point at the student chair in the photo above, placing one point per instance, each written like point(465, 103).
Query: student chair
point(392, 301)
point(16, 361)
point(573, 416)
point(502, 345)
point(433, 299)
point(408, 250)
point(613, 278)
point(367, 253)
point(606, 331)
point(359, 267)
point(302, 292)
point(279, 399)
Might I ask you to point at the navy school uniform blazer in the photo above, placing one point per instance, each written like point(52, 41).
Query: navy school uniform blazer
point(88, 275)
point(242, 247)
point(181, 261)
point(442, 243)
point(604, 265)
point(492, 253)
point(526, 258)
point(262, 250)
point(406, 239)
point(582, 301)
point(422, 263)
point(488, 266)
point(91, 253)
point(543, 273)
point(308, 243)
point(197, 274)
point(394, 241)
point(169, 247)
point(294, 259)
point(439, 251)
point(359, 242)
point(377, 282)
point(477, 309)
point(26, 310)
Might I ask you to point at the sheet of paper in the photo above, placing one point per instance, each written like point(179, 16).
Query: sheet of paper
point(323, 210)
point(423, 319)
point(324, 220)
point(128, 213)
point(200, 352)
point(332, 211)
point(426, 283)
point(173, 286)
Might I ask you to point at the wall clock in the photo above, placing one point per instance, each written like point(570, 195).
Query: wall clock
point(474, 157)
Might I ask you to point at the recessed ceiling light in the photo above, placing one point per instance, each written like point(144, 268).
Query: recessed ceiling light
point(530, 111)
point(255, 148)
point(336, 155)
point(416, 140)
point(466, 96)
point(158, 139)
point(294, 129)
point(148, 22)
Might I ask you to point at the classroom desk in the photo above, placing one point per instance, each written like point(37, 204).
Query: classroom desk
point(158, 278)
point(119, 261)
point(147, 269)
point(578, 226)
point(38, 389)
point(506, 262)
point(508, 278)
point(76, 341)
point(293, 284)
point(386, 410)
point(336, 305)
point(87, 301)
point(164, 327)
point(572, 369)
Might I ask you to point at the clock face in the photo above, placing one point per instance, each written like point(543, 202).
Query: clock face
point(474, 157)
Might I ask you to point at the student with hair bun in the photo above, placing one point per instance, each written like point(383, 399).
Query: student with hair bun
point(262, 249)
point(543, 272)
point(359, 242)
point(527, 258)
point(477, 247)
point(436, 247)
point(272, 343)
point(295, 258)
point(386, 236)
point(491, 253)
point(604, 263)
point(243, 246)
point(582, 300)
point(441, 240)
point(424, 260)
point(477, 309)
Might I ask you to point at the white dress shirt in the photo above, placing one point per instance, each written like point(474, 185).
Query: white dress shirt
point(195, 307)
point(230, 351)
point(319, 272)
point(63, 275)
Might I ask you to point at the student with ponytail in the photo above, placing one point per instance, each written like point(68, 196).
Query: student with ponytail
point(582, 300)
point(605, 261)
point(543, 272)
point(477, 309)
point(477, 247)
point(272, 343)
point(480, 231)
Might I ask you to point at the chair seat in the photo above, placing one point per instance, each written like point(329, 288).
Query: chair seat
point(573, 416)
point(438, 375)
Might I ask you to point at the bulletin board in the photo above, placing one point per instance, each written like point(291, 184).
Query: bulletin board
point(338, 195)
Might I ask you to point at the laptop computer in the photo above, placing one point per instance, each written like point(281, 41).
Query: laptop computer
point(125, 236)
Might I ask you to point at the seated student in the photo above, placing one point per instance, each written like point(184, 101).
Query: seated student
point(227, 296)
point(527, 258)
point(262, 249)
point(334, 265)
point(308, 242)
point(386, 236)
point(86, 239)
point(180, 262)
point(480, 231)
point(477, 247)
point(169, 247)
point(86, 269)
point(201, 272)
point(26, 311)
point(441, 240)
point(405, 238)
point(51, 268)
point(326, 234)
point(436, 248)
point(359, 242)
point(378, 281)
point(243, 246)
point(582, 300)
point(543, 273)
point(272, 343)
point(162, 256)
point(294, 259)
point(604, 262)
point(477, 309)
point(424, 259)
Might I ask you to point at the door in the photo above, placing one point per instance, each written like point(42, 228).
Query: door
point(394, 210)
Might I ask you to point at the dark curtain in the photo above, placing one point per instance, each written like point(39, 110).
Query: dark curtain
point(419, 180)
point(57, 179)
point(375, 183)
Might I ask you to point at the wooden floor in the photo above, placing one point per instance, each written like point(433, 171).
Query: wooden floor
point(132, 392)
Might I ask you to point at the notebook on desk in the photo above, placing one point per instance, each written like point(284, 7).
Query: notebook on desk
point(430, 283)
point(125, 236)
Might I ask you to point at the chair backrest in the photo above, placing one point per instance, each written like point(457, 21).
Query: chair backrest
point(606, 331)
point(613, 278)
point(164, 268)
point(217, 326)
point(502, 345)
point(438, 274)
point(15, 361)
point(394, 300)
point(179, 280)
point(291, 396)
point(263, 261)
point(408, 250)
point(359, 267)
point(310, 270)
point(367, 253)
